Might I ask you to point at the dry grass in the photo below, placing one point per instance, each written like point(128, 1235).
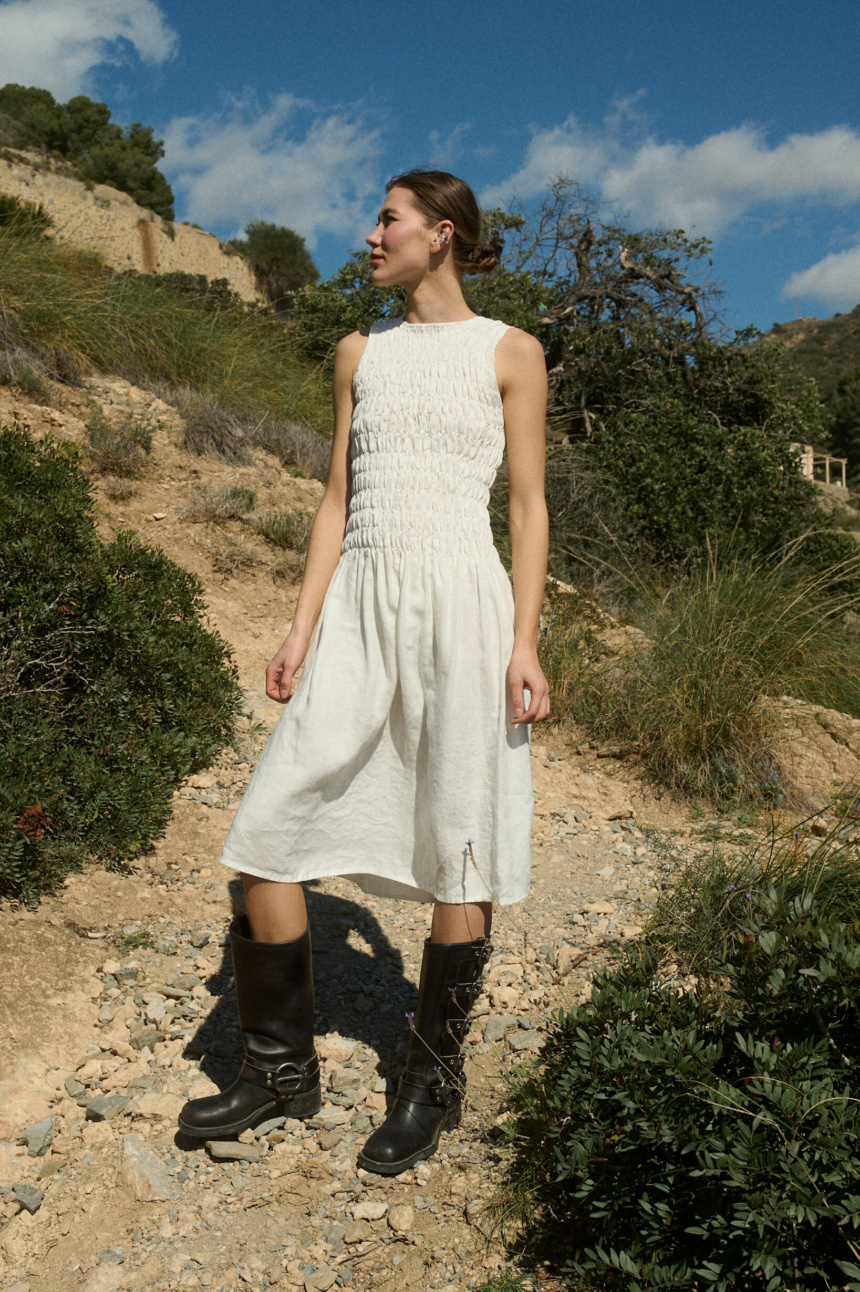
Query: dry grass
point(232, 559)
point(287, 529)
point(230, 502)
point(697, 696)
point(118, 448)
point(118, 489)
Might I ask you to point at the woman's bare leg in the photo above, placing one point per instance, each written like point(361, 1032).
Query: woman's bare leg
point(461, 922)
point(276, 912)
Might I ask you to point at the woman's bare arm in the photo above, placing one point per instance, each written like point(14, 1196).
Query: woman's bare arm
point(521, 371)
point(327, 531)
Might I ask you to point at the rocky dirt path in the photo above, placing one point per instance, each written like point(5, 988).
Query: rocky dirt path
point(122, 1007)
point(116, 999)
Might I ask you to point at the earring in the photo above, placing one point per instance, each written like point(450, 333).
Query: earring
point(443, 238)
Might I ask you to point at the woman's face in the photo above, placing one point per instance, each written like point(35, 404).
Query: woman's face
point(402, 243)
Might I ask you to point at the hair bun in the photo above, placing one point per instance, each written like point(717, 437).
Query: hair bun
point(483, 257)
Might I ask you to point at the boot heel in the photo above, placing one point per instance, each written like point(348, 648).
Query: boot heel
point(306, 1104)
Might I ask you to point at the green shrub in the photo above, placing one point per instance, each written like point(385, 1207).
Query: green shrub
point(290, 529)
point(722, 644)
point(704, 903)
point(110, 686)
point(708, 1139)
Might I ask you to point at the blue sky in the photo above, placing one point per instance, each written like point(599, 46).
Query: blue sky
point(739, 121)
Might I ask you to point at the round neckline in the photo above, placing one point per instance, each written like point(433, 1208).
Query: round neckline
point(450, 323)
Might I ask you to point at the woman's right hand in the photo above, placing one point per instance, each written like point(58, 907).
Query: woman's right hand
point(279, 674)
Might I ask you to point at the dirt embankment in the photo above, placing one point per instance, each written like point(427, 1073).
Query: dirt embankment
point(125, 235)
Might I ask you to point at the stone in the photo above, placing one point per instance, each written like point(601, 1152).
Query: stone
point(266, 1128)
point(401, 1218)
point(38, 1137)
point(566, 957)
point(229, 1150)
point(363, 1005)
point(153, 1104)
point(124, 976)
point(504, 997)
point(105, 1107)
point(29, 1197)
point(111, 1257)
point(344, 1079)
point(246, 1137)
point(146, 1038)
point(606, 871)
point(498, 1025)
point(110, 966)
point(199, 940)
point(321, 1280)
point(526, 1041)
point(144, 1174)
point(335, 1049)
point(357, 1232)
point(330, 1139)
point(369, 1210)
point(74, 1088)
point(328, 1119)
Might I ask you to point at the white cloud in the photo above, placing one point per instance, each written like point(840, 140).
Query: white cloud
point(245, 165)
point(56, 44)
point(445, 149)
point(707, 185)
point(835, 280)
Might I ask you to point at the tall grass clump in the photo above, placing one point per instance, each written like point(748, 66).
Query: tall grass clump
point(143, 329)
point(699, 694)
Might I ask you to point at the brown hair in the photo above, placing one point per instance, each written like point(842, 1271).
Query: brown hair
point(442, 196)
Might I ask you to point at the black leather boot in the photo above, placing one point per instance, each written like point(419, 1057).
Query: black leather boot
point(430, 1092)
point(280, 1072)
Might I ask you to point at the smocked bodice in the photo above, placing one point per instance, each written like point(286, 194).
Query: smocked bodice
point(427, 438)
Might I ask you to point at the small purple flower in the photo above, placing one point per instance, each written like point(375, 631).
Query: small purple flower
point(730, 888)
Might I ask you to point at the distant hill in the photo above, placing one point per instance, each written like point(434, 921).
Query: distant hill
point(825, 349)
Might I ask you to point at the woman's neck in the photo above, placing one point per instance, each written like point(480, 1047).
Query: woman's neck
point(436, 302)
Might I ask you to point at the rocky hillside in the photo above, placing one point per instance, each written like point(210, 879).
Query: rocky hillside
point(125, 235)
point(821, 348)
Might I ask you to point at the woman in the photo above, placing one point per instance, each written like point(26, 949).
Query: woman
point(402, 760)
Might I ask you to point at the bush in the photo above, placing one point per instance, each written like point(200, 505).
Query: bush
point(110, 686)
point(722, 645)
point(290, 529)
point(707, 899)
point(708, 1139)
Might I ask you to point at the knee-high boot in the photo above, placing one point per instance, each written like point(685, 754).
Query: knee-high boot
point(430, 1092)
point(280, 1071)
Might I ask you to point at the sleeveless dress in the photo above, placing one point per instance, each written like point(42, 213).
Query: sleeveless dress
point(395, 763)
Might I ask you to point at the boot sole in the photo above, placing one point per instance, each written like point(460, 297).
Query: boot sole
point(395, 1168)
point(304, 1105)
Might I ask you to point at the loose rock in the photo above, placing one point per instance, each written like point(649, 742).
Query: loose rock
point(144, 1174)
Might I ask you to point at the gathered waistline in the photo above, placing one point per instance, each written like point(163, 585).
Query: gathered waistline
point(420, 548)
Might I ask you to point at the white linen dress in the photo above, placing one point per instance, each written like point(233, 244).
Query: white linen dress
point(395, 763)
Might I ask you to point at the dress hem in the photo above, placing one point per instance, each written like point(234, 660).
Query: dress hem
point(406, 893)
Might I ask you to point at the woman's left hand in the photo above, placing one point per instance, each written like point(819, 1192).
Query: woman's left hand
point(525, 673)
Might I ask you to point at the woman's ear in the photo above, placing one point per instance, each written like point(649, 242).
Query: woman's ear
point(444, 234)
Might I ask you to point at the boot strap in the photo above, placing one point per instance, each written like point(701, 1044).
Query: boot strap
point(438, 1095)
point(282, 1079)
